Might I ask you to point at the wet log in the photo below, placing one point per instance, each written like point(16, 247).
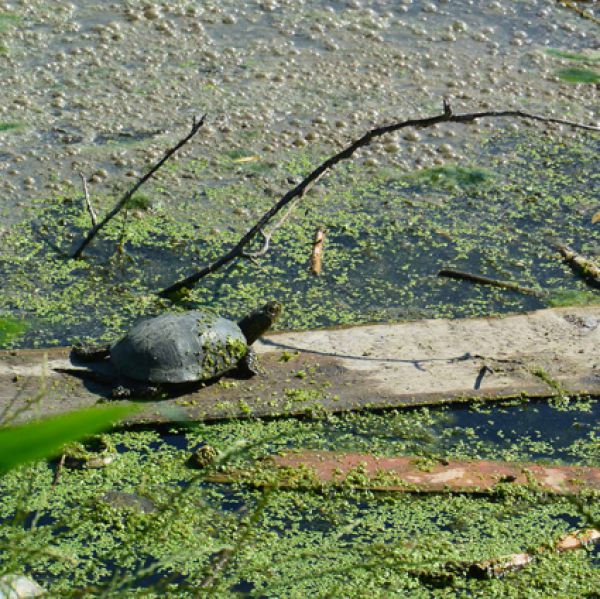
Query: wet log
point(580, 264)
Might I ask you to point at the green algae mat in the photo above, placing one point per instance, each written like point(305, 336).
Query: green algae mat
point(148, 525)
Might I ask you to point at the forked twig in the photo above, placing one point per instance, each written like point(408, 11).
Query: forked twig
point(267, 236)
point(446, 117)
point(196, 125)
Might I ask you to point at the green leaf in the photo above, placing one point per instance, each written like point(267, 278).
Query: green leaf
point(9, 126)
point(45, 438)
point(8, 20)
point(591, 58)
point(10, 328)
point(575, 75)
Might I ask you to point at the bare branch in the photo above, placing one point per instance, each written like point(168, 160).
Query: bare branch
point(446, 117)
point(88, 201)
point(127, 196)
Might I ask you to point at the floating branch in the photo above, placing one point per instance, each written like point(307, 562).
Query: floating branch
point(584, 266)
point(127, 196)
point(473, 278)
point(578, 539)
point(316, 257)
point(447, 116)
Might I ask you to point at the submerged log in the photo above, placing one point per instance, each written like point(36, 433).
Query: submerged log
point(452, 273)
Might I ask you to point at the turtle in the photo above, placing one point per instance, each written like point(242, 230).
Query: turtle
point(187, 347)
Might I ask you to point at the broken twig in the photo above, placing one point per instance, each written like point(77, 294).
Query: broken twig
point(127, 196)
point(88, 201)
point(584, 266)
point(316, 257)
point(473, 278)
point(447, 116)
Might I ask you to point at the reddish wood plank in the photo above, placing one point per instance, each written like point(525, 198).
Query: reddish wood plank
point(414, 474)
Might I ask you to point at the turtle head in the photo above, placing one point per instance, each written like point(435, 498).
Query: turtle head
point(259, 321)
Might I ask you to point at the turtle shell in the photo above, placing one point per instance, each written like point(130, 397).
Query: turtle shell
point(179, 348)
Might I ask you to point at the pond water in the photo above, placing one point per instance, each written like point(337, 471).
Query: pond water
point(286, 84)
point(104, 89)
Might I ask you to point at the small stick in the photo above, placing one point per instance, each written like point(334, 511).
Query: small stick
point(127, 196)
point(447, 116)
point(218, 564)
point(467, 276)
point(316, 257)
point(88, 201)
point(58, 471)
point(224, 556)
point(585, 14)
point(588, 269)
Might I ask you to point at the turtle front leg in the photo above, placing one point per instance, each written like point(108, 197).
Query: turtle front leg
point(90, 353)
point(249, 365)
point(140, 391)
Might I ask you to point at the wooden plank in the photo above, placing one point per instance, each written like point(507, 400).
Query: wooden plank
point(426, 362)
point(408, 474)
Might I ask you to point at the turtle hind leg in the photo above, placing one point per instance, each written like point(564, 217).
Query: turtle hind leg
point(248, 366)
point(90, 353)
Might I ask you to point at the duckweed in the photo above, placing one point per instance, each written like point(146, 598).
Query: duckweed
point(326, 541)
point(388, 237)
